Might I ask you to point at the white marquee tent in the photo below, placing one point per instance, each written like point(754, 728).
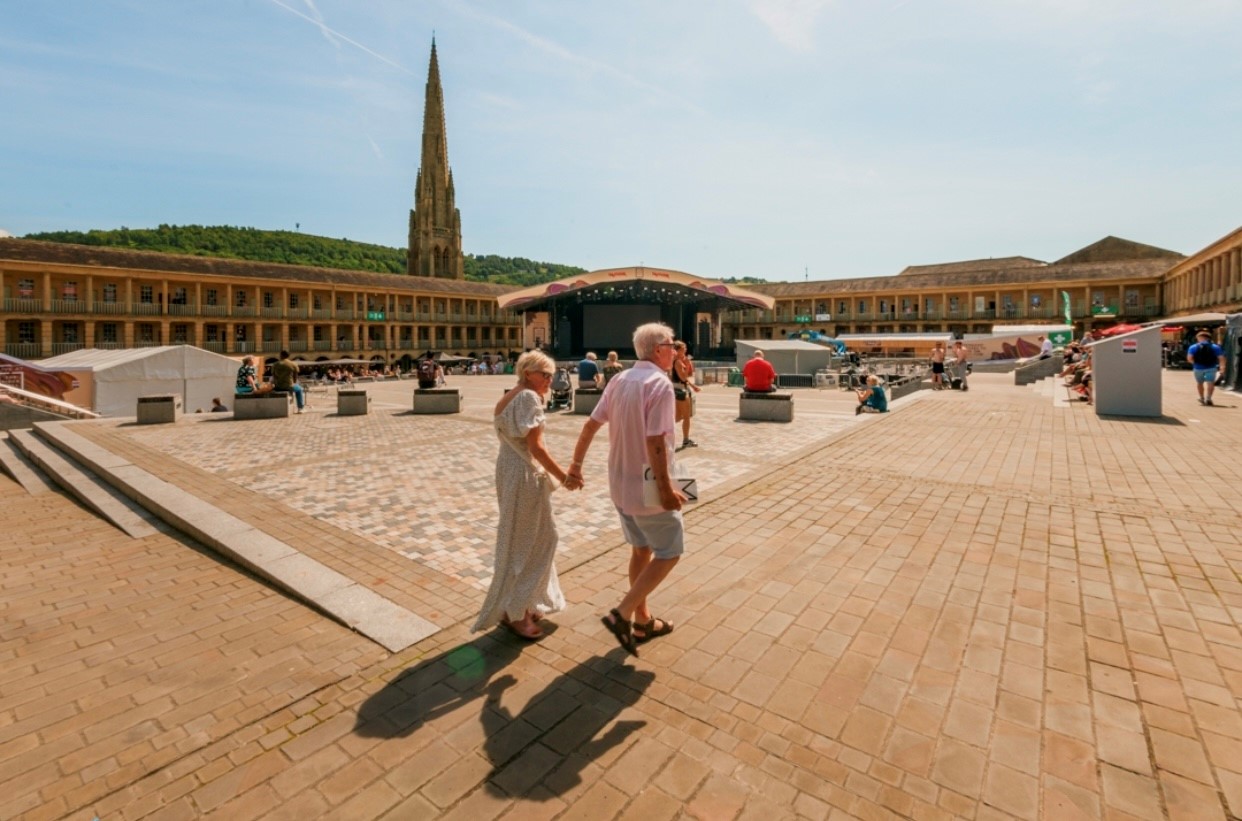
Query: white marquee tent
point(115, 379)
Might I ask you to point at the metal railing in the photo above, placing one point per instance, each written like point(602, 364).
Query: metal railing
point(24, 350)
point(23, 305)
point(66, 347)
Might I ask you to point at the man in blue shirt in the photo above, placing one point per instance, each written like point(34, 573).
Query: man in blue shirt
point(1204, 356)
point(589, 375)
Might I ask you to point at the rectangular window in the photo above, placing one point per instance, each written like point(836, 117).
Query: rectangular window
point(107, 332)
point(25, 289)
point(294, 299)
point(211, 296)
point(239, 333)
point(109, 293)
point(146, 294)
point(180, 333)
point(862, 306)
point(239, 298)
point(317, 302)
point(1132, 299)
point(269, 299)
point(69, 293)
point(179, 297)
point(69, 333)
point(26, 332)
point(211, 333)
point(340, 303)
point(843, 308)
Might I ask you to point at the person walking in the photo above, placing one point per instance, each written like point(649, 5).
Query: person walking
point(524, 584)
point(1204, 357)
point(638, 404)
point(683, 392)
point(937, 365)
point(961, 363)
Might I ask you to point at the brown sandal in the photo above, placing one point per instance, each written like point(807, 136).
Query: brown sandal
point(650, 631)
point(622, 629)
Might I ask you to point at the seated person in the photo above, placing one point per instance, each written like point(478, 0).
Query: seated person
point(589, 374)
point(758, 375)
point(285, 378)
point(218, 407)
point(248, 380)
point(872, 398)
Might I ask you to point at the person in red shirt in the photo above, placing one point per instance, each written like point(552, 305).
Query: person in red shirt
point(758, 375)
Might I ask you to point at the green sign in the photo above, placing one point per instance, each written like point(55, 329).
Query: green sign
point(806, 320)
point(1101, 310)
point(375, 316)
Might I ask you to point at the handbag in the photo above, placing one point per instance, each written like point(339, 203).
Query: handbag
point(681, 394)
point(651, 491)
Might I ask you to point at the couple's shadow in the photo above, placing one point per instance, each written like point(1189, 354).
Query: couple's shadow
point(545, 742)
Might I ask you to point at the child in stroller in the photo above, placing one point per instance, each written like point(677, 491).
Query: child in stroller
point(560, 390)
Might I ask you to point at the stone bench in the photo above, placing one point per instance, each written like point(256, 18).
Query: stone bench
point(437, 400)
point(159, 409)
point(352, 403)
point(585, 400)
point(766, 407)
point(270, 405)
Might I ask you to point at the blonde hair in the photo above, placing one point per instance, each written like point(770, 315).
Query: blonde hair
point(612, 356)
point(532, 361)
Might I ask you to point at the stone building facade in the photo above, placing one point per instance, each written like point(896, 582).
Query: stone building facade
point(434, 249)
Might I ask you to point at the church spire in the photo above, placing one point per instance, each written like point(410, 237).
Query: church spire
point(435, 223)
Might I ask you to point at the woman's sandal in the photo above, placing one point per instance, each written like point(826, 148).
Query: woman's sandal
point(512, 627)
point(650, 631)
point(623, 630)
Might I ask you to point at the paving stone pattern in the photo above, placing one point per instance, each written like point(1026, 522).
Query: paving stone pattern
point(985, 605)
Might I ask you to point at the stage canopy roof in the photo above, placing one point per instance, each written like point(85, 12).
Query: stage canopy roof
point(636, 286)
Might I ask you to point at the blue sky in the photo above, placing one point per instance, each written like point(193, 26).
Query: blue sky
point(772, 138)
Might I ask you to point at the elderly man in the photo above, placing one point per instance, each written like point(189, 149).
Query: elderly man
point(589, 374)
point(758, 375)
point(639, 404)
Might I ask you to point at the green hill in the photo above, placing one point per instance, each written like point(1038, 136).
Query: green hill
point(301, 249)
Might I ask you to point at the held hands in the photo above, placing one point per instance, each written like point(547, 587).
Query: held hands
point(573, 477)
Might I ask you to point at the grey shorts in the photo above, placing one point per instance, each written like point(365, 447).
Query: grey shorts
point(664, 533)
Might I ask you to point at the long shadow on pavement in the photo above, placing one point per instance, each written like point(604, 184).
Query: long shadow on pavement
point(540, 751)
point(435, 687)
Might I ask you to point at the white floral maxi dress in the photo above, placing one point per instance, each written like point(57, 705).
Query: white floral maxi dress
point(524, 575)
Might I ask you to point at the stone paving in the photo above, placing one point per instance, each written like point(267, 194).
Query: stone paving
point(984, 605)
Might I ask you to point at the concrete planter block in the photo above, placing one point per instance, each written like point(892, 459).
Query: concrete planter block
point(585, 400)
point(766, 407)
point(351, 403)
point(159, 409)
point(272, 405)
point(437, 400)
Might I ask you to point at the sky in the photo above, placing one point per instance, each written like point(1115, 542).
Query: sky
point(782, 139)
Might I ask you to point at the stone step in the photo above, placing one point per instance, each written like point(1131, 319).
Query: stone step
point(21, 470)
point(84, 486)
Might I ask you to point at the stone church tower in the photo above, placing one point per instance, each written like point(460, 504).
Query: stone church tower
point(435, 222)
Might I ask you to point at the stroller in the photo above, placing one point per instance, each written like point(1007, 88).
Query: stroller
point(560, 390)
point(958, 380)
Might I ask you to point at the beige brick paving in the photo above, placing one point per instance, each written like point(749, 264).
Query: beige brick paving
point(982, 606)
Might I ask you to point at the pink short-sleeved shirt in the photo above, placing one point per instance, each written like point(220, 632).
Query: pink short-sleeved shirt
point(637, 403)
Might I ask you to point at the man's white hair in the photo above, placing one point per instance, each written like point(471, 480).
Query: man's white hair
point(646, 337)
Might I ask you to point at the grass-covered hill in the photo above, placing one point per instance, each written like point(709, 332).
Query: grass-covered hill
point(301, 249)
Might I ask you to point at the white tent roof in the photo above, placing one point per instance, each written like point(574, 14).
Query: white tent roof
point(93, 359)
point(766, 345)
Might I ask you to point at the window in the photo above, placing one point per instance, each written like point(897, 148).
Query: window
point(26, 332)
point(340, 303)
point(109, 293)
point(145, 332)
point(69, 333)
point(843, 307)
point(107, 332)
point(180, 333)
point(318, 333)
point(239, 333)
point(69, 293)
point(179, 297)
point(25, 289)
point(146, 294)
point(294, 299)
point(1036, 300)
point(1132, 299)
point(211, 296)
point(317, 302)
point(211, 333)
point(269, 299)
point(239, 298)
point(862, 306)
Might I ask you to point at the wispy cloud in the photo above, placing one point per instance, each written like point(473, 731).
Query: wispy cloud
point(330, 33)
point(792, 22)
point(566, 55)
